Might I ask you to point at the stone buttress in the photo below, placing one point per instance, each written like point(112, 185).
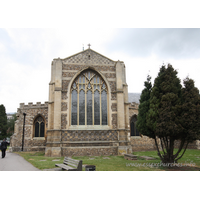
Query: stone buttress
point(66, 139)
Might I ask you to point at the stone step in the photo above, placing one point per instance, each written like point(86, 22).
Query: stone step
point(134, 157)
point(130, 157)
point(147, 158)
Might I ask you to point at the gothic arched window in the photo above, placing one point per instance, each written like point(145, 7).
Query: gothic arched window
point(89, 99)
point(134, 131)
point(39, 127)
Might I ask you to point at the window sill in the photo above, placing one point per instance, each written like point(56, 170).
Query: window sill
point(97, 127)
point(39, 138)
point(136, 137)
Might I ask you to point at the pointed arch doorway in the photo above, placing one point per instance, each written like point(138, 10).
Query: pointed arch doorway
point(134, 131)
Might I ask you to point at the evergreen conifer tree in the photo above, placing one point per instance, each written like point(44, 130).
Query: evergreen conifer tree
point(143, 109)
point(189, 117)
point(11, 125)
point(170, 114)
point(164, 112)
point(3, 122)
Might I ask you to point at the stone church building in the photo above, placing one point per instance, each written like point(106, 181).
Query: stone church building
point(88, 112)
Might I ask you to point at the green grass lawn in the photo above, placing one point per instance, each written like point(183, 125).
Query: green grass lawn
point(190, 158)
point(40, 161)
point(115, 163)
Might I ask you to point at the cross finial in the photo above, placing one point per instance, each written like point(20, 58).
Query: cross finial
point(89, 46)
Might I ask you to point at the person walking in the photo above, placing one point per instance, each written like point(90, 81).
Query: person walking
point(3, 148)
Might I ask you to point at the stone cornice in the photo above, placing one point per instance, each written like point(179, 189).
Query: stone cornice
point(58, 89)
point(118, 91)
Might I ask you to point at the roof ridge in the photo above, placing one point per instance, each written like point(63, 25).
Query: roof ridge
point(86, 51)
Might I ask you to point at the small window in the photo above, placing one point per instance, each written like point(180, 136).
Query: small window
point(134, 131)
point(39, 127)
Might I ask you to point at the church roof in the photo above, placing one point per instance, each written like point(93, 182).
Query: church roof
point(134, 97)
point(88, 56)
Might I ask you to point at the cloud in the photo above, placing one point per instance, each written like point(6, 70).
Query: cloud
point(165, 43)
point(26, 56)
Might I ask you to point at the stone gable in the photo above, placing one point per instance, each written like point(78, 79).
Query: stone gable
point(88, 57)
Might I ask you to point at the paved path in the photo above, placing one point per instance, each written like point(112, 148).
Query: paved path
point(14, 162)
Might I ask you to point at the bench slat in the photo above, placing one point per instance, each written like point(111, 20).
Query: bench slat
point(60, 165)
point(69, 161)
point(72, 160)
point(64, 166)
point(70, 164)
point(66, 160)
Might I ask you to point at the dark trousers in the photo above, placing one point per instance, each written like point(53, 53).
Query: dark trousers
point(3, 153)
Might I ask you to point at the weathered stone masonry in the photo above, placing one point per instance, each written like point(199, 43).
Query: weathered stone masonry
point(30, 142)
point(63, 139)
point(60, 137)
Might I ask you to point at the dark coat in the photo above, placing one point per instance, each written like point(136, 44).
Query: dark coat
point(4, 145)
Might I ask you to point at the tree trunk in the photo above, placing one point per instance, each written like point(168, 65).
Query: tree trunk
point(161, 157)
point(183, 152)
point(169, 157)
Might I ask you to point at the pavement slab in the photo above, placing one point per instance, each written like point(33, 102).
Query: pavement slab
point(14, 162)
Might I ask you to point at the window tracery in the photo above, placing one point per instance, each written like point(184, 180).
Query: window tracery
point(39, 127)
point(89, 99)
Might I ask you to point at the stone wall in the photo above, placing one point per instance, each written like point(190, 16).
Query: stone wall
point(143, 143)
point(89, 151)
point(74, 64)
point(89, 135)
point(139, 143)
point(193, 145)
point(89, 142)
point(31, 143)
point(83, 142)
point(60, 139)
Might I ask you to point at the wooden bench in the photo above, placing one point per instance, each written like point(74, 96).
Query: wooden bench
point(70, 164)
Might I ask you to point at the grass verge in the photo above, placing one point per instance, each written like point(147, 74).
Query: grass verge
point(39, 160)
point(189, 162)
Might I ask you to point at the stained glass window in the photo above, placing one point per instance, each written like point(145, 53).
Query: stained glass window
point(74, 107)
point(36, 129)
point(104, 107)
point(89, 108)
point(89, 99)
point(39, 127)
point(82, 108)
point(41, 130)
point(97, 108)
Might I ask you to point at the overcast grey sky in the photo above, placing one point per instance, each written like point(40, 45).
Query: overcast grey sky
point(27, 50)
point(26, 55)
point(164, 43)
